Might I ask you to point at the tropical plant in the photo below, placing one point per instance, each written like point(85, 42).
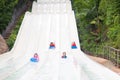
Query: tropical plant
point(6, 10)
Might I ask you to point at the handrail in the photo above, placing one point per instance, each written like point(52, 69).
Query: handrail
point(109, 53)
point(112, 54)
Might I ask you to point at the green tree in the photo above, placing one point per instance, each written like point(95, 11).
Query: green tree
point(6, 10)
point(98, 22)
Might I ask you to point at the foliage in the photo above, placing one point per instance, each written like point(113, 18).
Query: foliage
point(98, 23)
point(10, 11)
point(12, 38)
point(114, 25)
point(6, 10)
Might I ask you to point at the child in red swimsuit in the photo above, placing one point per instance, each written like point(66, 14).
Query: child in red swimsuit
point(52, 45)
point(73, 45)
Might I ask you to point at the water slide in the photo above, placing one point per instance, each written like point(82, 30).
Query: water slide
point(50, 21)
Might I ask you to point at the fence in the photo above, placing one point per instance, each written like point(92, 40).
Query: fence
point(109, 53)
point(112, 54)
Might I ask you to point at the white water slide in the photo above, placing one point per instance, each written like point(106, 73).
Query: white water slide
point(50, 21)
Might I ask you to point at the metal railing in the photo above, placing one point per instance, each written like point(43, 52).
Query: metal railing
point(108, 53)
point(112, 54)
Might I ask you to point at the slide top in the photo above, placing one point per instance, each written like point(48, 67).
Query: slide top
point(52, 6)
point(52, 1)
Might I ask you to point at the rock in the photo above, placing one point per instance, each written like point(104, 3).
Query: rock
point(3, 45)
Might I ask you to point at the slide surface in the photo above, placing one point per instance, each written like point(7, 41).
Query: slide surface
point(50, 21)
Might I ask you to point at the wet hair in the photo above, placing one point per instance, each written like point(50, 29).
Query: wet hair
point(64, 52)
point(52, 42)
point(35, 54)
